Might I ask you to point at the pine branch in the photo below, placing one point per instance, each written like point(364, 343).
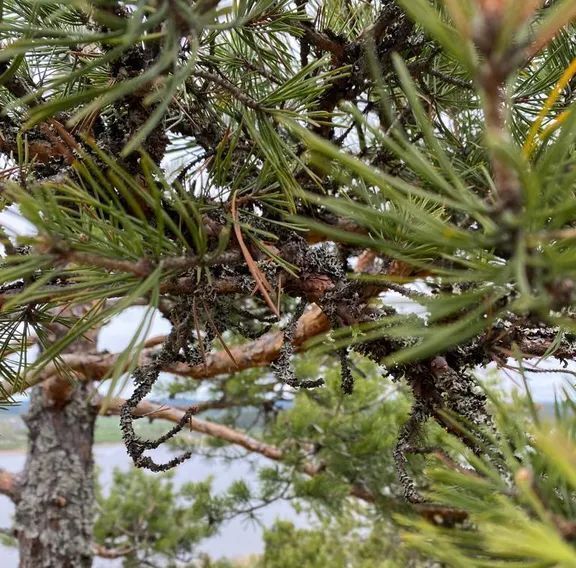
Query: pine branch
point(9, 485)
point(258, 353)
point(111, 553)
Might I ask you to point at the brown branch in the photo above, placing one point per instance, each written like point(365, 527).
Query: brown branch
point(171, 414)
point(218, 404)
point(155, 341)
point(435, 513)
point(338, 46)
point(176, 286)
point(111, 553)
point(230, 87)
point(322, 42)
point(565, 527)
point(533, 347)
point(258, 353)
point(143, 267)
point(9, 485)
point(491, 77)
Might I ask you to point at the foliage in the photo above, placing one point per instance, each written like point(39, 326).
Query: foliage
point(147, 518)
point(492, 497)
point(415, 165)
point(340, 546)
point(354, 437)
point(520, 510)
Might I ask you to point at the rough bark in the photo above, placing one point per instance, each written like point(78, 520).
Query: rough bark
point(55, 513)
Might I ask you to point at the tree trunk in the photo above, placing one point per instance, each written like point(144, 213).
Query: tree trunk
point(55, 513)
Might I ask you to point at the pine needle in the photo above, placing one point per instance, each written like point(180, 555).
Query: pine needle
point(261, 282)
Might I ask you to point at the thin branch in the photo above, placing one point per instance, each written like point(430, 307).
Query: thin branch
point(171, 414)
point(144, 267)
point(321, 41)
point(231, 88)
point(10, 485)
point(492, 77)
point(176, 286)
point(259, 278)
point(111, 553)
point(229, 435)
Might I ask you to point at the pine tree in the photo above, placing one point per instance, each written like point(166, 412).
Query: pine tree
point(265, 174)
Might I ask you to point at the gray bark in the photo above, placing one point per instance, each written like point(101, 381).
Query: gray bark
point(55, 513)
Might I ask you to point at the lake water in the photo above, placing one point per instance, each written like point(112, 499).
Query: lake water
point(237, 538)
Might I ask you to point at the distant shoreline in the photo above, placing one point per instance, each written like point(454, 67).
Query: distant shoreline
point(13, 433)
point(18, 451)
point(14, 451)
